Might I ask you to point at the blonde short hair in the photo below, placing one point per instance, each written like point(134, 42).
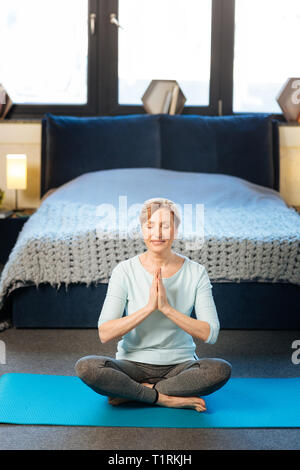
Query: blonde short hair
point(152, 205)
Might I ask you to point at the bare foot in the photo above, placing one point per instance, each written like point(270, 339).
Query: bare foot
point(181, 402)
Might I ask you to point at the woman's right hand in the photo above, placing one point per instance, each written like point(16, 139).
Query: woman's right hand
point(153, 294)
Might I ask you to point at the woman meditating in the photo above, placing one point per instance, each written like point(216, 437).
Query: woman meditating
point(155, 361)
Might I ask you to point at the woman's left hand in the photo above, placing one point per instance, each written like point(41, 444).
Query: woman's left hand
point(163, 303)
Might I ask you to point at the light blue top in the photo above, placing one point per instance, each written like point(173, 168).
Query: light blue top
point(157, 339)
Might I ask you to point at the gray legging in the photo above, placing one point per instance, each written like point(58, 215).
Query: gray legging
point(122, 378)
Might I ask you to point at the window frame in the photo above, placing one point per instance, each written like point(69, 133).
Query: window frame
point(221, 72)
point(36, 111)
point(112, 106)
point(103, 70)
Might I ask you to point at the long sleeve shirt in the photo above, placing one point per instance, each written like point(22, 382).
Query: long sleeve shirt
point(157, 339)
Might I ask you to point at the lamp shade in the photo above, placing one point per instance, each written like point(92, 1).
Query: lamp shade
point(16, 171)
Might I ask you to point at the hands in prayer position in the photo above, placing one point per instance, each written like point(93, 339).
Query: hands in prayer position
point(158, 295)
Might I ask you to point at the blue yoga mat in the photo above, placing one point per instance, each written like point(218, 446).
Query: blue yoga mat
point(66, 400)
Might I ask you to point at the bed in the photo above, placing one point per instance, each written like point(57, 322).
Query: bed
point(93, 168)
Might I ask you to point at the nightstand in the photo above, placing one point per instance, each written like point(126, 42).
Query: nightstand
point(9, 231)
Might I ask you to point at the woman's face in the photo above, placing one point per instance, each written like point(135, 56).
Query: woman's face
point(159, 231)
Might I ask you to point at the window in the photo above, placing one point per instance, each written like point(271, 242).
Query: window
point(46, 61)
point(168, 39)
point(67, 57)
point(48, 56)
point(265, 52)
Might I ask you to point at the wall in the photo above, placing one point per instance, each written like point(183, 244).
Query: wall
point(25, 137)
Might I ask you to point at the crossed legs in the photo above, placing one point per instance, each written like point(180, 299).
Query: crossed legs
point(128, 380)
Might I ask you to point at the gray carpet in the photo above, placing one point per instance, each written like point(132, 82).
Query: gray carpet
point(251, 353)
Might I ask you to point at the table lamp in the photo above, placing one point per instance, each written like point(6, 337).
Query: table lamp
point(16, 173)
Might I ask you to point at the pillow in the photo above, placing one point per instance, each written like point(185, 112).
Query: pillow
point(76, 145)
point(234, 145)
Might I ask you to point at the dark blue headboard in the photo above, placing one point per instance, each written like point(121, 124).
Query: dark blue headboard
point(246, 146)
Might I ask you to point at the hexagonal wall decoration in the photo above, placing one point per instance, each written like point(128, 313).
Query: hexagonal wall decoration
point(163, 97)
point(289, 99)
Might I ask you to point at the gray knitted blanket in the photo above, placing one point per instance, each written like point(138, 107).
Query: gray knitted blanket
point(62, 242)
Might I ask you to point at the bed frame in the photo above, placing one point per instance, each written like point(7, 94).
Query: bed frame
point(72, 146)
